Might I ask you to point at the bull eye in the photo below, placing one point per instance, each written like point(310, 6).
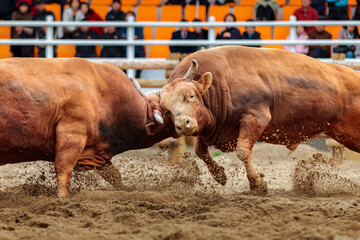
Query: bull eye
point(191, 96)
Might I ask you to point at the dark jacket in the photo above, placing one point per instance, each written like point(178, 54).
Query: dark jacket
point(23, 51)
point(6, 9)
point(112, 51)
point(183, 49)
point(235, 33)
point(85, 51)
point(139, 50)
point(115, 16)
point(254, 36)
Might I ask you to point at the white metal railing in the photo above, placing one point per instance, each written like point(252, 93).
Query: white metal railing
point(130, 42)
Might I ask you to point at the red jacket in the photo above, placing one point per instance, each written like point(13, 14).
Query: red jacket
point(93, 16)
point(301, 15)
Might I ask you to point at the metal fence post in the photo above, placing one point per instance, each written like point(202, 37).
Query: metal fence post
point(130, 52)
point(211, 35)
point(292, 33)
point(49, 49)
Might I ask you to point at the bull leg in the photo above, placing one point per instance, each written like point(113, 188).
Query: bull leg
point(112, 175)
point(69, 146)
point(251, 128)
point(202, 151)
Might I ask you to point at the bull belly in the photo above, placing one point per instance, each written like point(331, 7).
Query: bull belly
point(25, 155)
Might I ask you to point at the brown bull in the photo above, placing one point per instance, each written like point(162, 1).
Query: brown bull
point(233, 96)
point(73, 111)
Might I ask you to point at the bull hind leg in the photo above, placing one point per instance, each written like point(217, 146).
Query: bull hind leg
point(111, 175)
point(202, 151)
point(251, 128)
point(70, 143)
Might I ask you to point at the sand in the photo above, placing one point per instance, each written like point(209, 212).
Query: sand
point(310, 197)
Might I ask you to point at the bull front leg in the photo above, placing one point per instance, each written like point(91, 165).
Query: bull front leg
point(70, 143)
point(202, 151)
point(251, 127)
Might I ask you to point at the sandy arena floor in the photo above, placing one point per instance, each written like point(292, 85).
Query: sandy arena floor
point(309, 198)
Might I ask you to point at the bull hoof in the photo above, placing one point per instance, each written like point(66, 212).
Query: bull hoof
point(220, 176)
point(259, 188)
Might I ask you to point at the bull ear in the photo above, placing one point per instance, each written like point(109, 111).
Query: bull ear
point(153, 128)
point(206, 80)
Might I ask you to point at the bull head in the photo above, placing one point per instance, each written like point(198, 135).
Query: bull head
point(183, 100)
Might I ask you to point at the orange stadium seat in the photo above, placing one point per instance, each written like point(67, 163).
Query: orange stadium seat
point(280, 33)
point(101, 2)
point(243, 13)
point(247, 2)
point(101, 10)
point(190, 13)
point(171, 13)
point(265, 32)
point(127, 8)
point(150, 2)
point(294, 3)
point(129, 3)
point(66, 51)
point(334, 30)
point(352, 3)
point(288, 11)
point(5, 33)
point(147, 13)
point(5, 51)
point(56, 9)
point(219, 12)
point(162, 33)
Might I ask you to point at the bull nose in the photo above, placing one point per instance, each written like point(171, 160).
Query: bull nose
point(185, 124)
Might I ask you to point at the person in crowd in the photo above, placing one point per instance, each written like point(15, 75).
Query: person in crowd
point(84, 32)
point(40, 32)
point(176, 2)
point(22, 14)
point(91, 15)
point(349, 32)
point(306, 13)
point(116, 14)
point(112, 51)
point(200, 33)
point(139, 34)
point(251, 34)
point(71, 14)
point(220, 2)
point(266, 10)
point(229, 32)
point(7, 8)
point(183, 34)
point(300, 35)
point(319, 6)
point(319, 51)
point(21, 51)
point(31, 4)
point(204, 2)
point(338, 10)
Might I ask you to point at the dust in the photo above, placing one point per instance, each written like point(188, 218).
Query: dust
point(319, 176)
point(183, 201)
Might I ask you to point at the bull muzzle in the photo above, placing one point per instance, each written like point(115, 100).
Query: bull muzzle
point(185, 125)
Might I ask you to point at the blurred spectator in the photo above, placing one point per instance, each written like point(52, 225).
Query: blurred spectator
point(266, 10)
point(200, 33)
point(115, 14)
point(22, 14)
point(229, 32)
point(222, 2)
point(201, 2)
point(71, 14)
point(300, 35)
point(175, 2)
point(85, 33)
point(112, 51)
point(348, 32)
point(32, 9)
point(7, 7)
point(338, 10)
point(91, 15)
point(251, 34)
point(183, 34)
point(357, 11)
point(21, 51)
point(322, 51)
point(306, 13)
point(40, 32)
point(139, 50)
point(319, 6)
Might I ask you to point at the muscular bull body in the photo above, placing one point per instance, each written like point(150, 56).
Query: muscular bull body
point(72, 111)
point(240, 95)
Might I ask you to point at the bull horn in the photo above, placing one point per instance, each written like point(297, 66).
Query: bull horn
point(156, 92)
point(158, 118)
point(189, 75)
point(138, 87)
